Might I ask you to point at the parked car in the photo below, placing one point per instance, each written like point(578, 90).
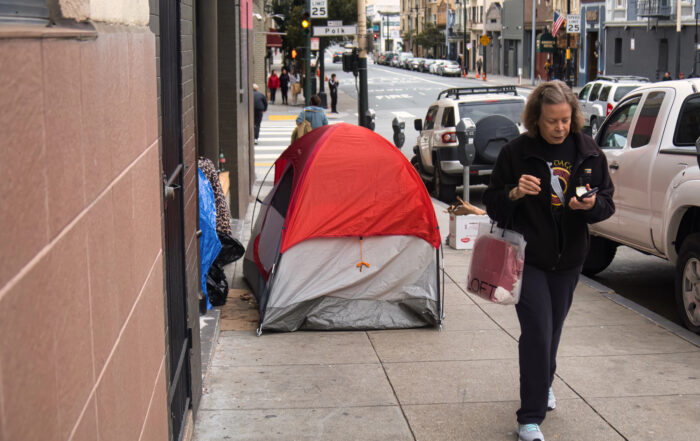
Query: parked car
point(415, 63)
point(652, 142)
point(450, 68)
point(407, 62)
point(424, 66)
point(337, 57)
point(493, 113)
point(598, 98)
point(434, 68)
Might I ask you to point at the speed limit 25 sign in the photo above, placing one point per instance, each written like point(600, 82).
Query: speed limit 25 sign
point(319, 9)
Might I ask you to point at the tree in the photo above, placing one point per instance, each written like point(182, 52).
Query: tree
point(431, 37)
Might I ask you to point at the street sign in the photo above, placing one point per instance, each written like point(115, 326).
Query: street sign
point(485, 40)
point(315, 43)
point(335, 23)
point(573, 23)
point(321, 31)
point(319, 9)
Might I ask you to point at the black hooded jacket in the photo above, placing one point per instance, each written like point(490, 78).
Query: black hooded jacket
point(532, 215)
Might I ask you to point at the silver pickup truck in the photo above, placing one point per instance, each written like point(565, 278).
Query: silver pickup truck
point(651, 141)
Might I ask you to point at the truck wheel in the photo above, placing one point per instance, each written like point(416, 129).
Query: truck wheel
point(415, 162)
point(595, 125)
point(443, 192)
point(688, 283)
point(600, 255)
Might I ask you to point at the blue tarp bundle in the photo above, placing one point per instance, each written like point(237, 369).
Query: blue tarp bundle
point(209, 244)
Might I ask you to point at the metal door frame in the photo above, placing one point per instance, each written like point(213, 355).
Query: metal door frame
point(179, 335)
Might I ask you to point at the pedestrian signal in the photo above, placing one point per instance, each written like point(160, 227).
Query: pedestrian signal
point(294, 54)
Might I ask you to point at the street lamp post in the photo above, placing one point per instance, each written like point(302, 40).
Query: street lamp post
point(463, 3)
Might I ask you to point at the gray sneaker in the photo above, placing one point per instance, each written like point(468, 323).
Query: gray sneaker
point(551, 401)
point(529, 432)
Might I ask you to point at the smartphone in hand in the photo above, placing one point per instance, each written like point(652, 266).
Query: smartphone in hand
point(587, 194)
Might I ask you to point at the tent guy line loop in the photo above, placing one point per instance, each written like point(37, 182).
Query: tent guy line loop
point(361, 263)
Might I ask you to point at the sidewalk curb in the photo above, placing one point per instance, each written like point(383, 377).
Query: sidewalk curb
point(665, 323)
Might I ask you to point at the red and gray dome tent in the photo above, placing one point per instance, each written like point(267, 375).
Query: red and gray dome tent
point(346, 239)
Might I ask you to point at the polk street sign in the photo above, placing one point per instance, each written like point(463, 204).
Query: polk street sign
point(321, 31)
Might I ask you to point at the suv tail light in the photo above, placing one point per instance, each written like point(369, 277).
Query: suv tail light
point(610, 107)
point(449, 137)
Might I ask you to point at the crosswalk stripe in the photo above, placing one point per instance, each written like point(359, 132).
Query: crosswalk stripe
point(402, 114)
point(267, 148)
point(267, 156)
point(265, 138)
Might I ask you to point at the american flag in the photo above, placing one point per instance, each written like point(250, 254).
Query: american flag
point(559, 21)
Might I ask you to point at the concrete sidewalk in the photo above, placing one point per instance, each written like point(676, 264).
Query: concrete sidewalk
point(620, 376)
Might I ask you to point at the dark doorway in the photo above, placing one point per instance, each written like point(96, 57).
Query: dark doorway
point(662, 62)
point(179, 336)
point(592, 55)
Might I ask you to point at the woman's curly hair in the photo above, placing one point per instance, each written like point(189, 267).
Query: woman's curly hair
point(551, 92)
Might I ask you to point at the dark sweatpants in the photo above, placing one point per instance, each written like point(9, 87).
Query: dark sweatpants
point(258, 116)
point(545, 300)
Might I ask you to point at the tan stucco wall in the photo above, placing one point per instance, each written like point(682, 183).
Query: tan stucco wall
point(82, 353)
point(130, 12)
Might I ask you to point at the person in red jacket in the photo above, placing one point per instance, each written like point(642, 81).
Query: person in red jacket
point(273, 83)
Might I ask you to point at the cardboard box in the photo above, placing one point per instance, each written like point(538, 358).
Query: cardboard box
point(464, 229)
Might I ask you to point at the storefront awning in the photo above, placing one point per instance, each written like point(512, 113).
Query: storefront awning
point(274, 39)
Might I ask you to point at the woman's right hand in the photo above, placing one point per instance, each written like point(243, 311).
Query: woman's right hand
point(527, 185)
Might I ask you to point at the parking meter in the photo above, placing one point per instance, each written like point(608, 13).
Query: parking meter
point(466, 151)
point(369, 119)
point(398, 126)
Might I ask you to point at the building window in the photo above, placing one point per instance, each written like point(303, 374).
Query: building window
point(24, 11)
point(619, 4)
point(618, 51)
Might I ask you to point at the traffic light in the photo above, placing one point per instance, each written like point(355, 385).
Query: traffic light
point(376, 35)
point(294, 54)
point(305, 22)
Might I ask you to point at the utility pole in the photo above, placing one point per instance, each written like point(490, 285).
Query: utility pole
point(465, 60)
point(568, 47)
point(532, 55)
point(363, 101)
point(307, 60)
point(678, 37)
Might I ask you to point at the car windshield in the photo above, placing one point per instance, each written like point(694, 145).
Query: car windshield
point(512, 109)
point(622, 91)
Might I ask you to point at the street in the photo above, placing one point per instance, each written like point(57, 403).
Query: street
point(645, 280)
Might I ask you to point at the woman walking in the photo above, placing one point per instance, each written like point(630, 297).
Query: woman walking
point(295, 84)
point(535, 189)
point(284, 85)
point(273, 83)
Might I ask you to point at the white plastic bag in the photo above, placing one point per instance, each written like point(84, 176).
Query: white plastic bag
point(496, 268)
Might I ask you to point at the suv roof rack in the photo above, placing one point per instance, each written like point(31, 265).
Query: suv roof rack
point(618, 78)
point(457, 91)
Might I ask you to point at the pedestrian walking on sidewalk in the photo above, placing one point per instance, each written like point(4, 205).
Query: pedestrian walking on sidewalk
point(478, 67)
point(259, 106)
point(534, 187)
point(273, 83)
point(295, 84)
point(284, 85)
point(333, 88)
point(314, 114)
